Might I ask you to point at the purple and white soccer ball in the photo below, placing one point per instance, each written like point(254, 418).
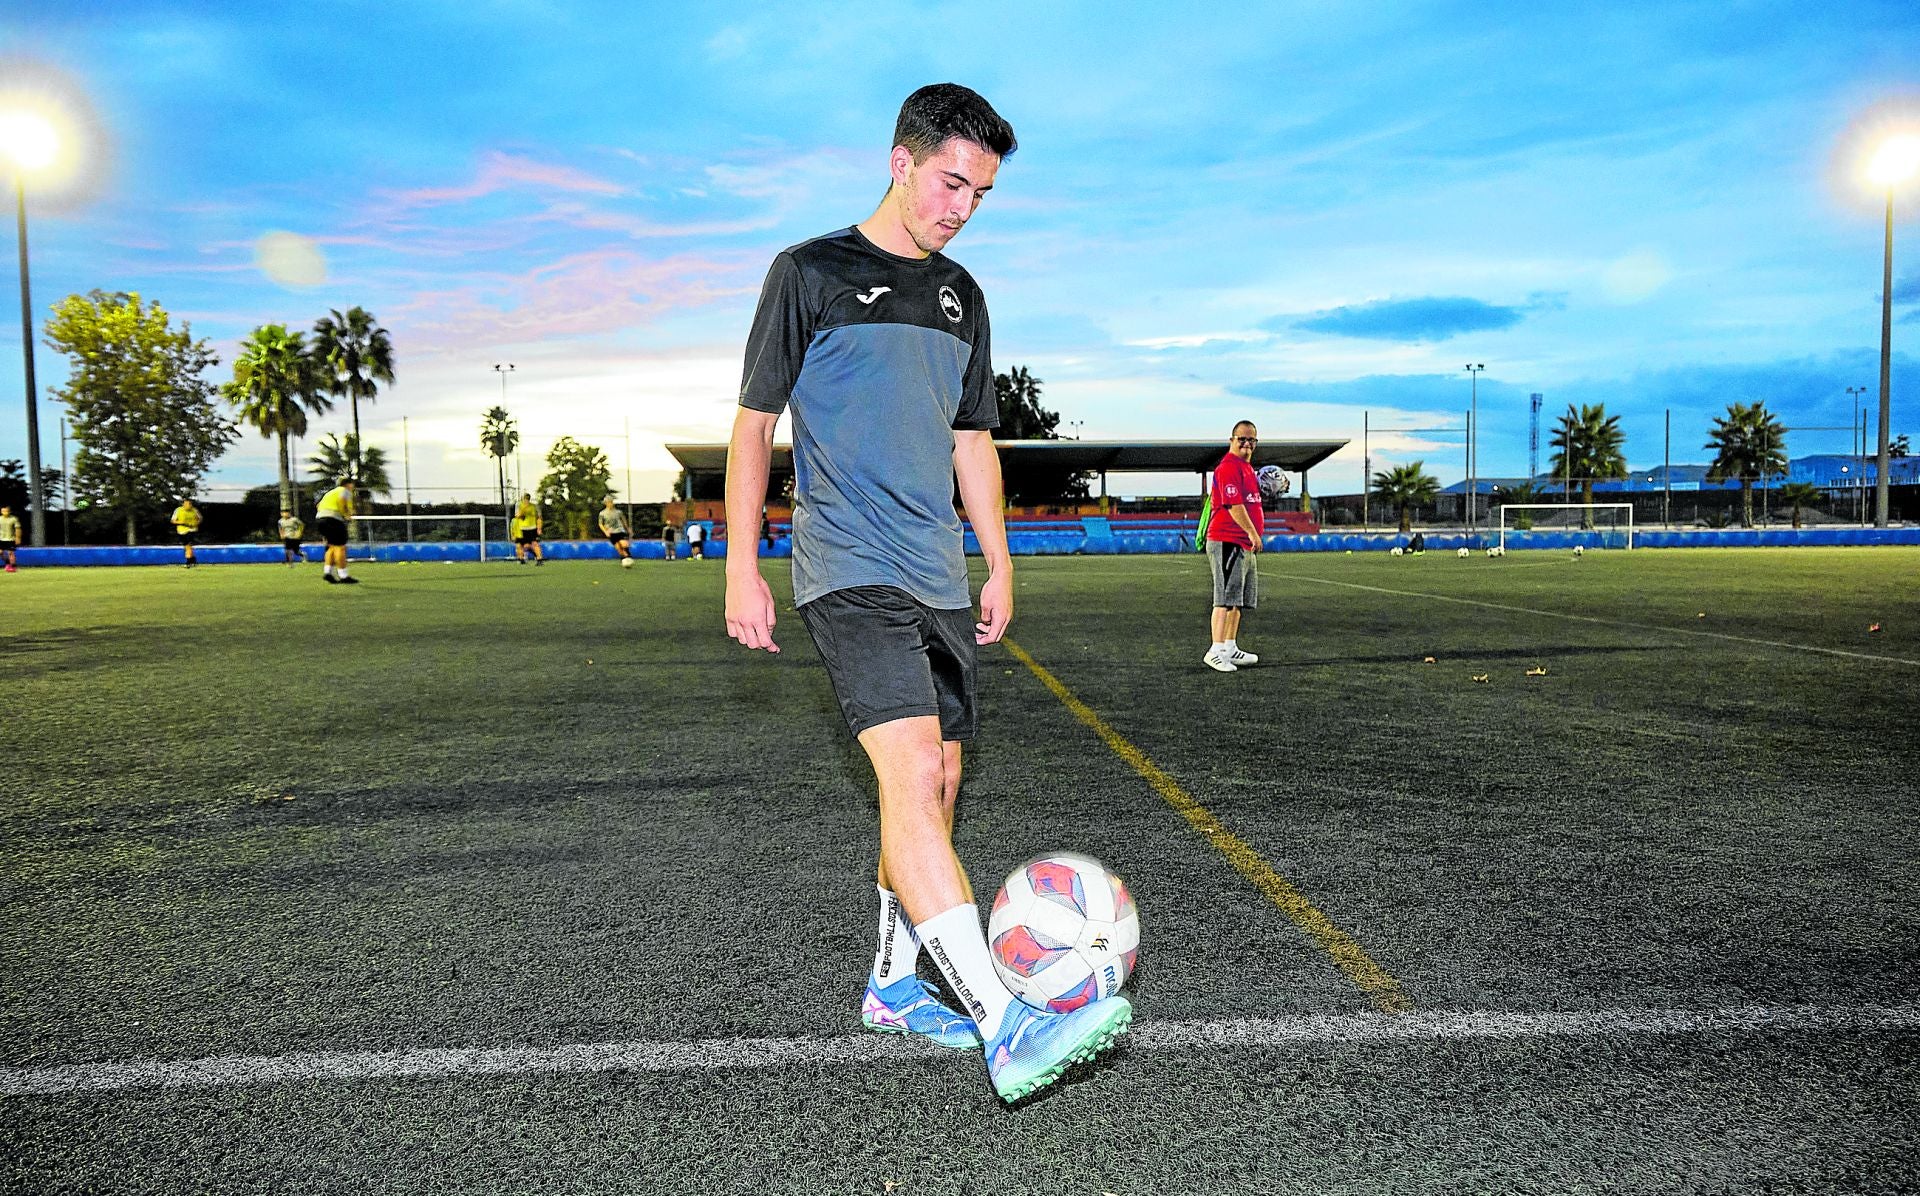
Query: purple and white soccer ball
point(1273, 482)
point(1064, 932)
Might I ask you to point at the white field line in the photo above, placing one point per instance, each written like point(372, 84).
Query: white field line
point(1556, 614)
point(766, 1054)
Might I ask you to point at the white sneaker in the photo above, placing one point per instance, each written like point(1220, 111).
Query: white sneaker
point(1241, 659)
point(1219, 662)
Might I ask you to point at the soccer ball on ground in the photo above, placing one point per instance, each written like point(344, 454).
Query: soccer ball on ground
point(1464, 554)
point(1496, 550)
point(1396, 550)
point(626, 562)
point(1579, 550)
point(1063, 932)
point(1273, 482)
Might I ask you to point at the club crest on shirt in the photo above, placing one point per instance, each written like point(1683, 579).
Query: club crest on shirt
point(950, 303)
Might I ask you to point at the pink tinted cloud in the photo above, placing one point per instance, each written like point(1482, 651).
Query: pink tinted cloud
point(584, 294)
point(502, 172)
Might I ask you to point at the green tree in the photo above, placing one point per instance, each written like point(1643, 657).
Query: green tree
point(1749, 443)
point(1897, 447)
point(1521, 495)
point(333, 460)
point(144, 417)
point(578, 480)
point(1406, 487)
point(355, 356)
point(1797, 495)
point(274, 387)
point(499, 437)
point(14, 489)
point(1591, 447)
point(1017, 394)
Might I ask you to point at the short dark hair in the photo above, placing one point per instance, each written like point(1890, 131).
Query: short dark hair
point(1245, 423)
point(939, 112)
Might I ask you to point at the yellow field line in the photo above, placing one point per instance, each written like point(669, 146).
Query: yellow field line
point(1347, 954)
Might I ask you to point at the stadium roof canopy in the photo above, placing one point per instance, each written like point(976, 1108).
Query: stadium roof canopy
point(1096, 456)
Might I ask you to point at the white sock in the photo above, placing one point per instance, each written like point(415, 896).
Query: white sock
point(340, 572)
point(959, 947)
point(1220, 647)
point(1233, 645)
point(899, 950)
point(326, 570)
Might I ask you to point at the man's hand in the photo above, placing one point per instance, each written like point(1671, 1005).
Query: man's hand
point(1245, 521)
point(996, 609)
point(750, 610)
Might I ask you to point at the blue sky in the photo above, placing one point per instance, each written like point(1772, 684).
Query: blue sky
point(1286, 212)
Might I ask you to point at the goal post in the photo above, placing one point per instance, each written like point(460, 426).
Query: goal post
point(1553, 525)
point(375, 536)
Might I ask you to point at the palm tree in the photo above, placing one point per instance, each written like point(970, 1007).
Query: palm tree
point(499, 438)
point(274, 386)
point(1749, 443)
point(355, 356)
point(334, 459)
point(1521, 495)
point(1592, 447)
point(1406, 487)
point(1797, 495)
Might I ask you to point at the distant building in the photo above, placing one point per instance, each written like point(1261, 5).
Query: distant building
point(1829, 471)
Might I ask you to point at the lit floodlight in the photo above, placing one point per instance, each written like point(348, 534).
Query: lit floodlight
point(1896, 161)
point(29, 140)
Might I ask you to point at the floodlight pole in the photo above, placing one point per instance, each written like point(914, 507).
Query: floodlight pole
point(1473, 444)
point(1366, 469)
point(66, 489)
point(1859, 445)
point(1666, 475)
point(38, 518)
point(1886, 362)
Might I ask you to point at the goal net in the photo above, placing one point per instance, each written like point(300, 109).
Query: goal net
point(1559, 525)
point(382, 536)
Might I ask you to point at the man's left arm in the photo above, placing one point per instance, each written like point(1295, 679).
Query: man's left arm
point(976, 466)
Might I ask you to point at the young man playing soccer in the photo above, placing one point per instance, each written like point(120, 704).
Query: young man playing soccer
point(526, 531)
point(879, 344)
point(9, 538)
point(291, 529)
point(186, 525)
point(613, 525)
point(1233, 545)
point(335, 518)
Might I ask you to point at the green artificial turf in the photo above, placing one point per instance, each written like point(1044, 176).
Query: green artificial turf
point(245, 813)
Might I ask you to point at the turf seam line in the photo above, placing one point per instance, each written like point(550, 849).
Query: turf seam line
point(1653, 627)
point(1348, 955)
point(767, 1054)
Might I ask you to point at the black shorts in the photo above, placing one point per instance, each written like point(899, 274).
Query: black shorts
point(290, 545)
point(527, 537)
point(7, 545)
point(333, 531)
point(616, 537)
point(187, 538)
point(889, 657)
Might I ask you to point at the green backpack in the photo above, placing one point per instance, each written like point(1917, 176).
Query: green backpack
point(1206, 517)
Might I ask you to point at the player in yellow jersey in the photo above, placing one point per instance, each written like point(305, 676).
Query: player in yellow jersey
point(335, 515)
point(186, 525)
point(291, 529)
point(526, 531)
point(9, 537)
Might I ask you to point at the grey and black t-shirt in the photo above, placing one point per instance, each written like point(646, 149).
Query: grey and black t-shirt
point(882, 359)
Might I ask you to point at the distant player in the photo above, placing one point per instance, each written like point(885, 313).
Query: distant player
point(667, 540)
point(9, 537)
point(186, 526)
point(879, 345)
point(526, 531)
point(696, 540)
point(334, 519)
point(1233, 545)
point(613, 525)
point(291, 529)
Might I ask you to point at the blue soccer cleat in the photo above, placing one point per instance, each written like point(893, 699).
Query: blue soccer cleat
point(908, 1006)
point(1034, 1048)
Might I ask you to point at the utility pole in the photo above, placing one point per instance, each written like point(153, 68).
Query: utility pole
point(1473, 444)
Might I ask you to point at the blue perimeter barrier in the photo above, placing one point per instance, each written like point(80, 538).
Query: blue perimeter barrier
point(1092, 536)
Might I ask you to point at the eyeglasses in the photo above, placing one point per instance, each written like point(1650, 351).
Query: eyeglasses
point(1246, 440)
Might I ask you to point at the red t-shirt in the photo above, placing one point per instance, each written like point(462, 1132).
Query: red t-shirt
point(1235, 484)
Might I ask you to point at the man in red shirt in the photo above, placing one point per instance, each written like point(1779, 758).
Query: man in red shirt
point(1233, 540)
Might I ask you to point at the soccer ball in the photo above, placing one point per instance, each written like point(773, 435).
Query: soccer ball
point(1464, 554)
point(1273, 482)
point(1496, 550)
point(1579, 550)
point(1396, 550)
point(626, 562)
point(1064, 932)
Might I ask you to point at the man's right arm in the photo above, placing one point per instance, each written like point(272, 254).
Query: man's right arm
point(1239, 513)
point(750, 615)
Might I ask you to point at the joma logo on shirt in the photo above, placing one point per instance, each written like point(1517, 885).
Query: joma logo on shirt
point(875, 293)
